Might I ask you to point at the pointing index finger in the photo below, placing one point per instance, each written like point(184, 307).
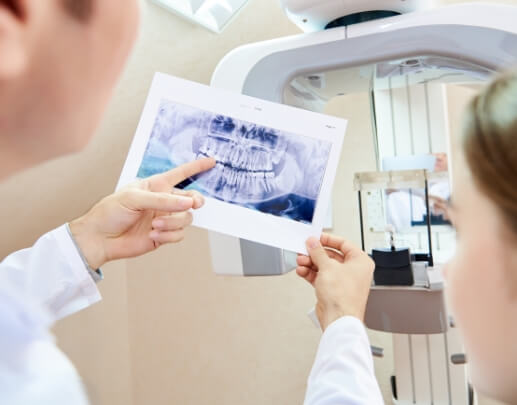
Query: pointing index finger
point(183, 172)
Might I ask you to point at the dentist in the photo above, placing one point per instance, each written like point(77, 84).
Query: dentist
point(46, 112)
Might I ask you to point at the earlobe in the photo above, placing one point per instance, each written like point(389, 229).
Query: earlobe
point(13, 52)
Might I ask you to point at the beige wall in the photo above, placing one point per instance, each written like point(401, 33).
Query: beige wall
point(168, 331)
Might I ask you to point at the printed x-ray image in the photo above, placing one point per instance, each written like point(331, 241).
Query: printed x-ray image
point(259, 168)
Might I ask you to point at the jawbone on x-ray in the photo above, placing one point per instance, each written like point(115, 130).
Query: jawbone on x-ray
point(260, 168)
point(275, 164)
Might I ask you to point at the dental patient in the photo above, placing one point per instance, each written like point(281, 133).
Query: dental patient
point(481, 278)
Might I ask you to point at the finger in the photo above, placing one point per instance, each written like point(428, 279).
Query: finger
point(303, 271)
point(198, 198)
point(338, 256)
point(304, 261)
point(311, 278)
point(338, 243)
point(173, 222)
point(307, 273)
point(183, 172)
point(316, 252)
point(167, 237)
point(139, 200)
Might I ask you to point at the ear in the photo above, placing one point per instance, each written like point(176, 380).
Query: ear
point(13, 47)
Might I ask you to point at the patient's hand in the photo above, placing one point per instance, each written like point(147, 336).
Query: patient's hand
point(440, 206)
point(341, 275)
point(140, 217)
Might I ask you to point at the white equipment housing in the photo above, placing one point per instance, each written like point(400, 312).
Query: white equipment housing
point(452, 44)
point(313, 16)
point(456, 44)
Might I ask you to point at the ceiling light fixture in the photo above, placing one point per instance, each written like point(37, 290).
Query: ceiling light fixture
point(211, 14)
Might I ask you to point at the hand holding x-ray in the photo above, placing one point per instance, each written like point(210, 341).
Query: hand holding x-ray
point(140, 217)
point(341, 274)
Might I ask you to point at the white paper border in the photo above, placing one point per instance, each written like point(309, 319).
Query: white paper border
point(229, 218)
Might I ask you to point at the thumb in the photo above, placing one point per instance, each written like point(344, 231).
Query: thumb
point(316, 252)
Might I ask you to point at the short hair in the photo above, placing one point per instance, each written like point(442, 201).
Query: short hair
point(79, 9)
point(13, 6)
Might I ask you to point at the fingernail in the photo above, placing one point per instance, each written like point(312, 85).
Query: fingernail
point(154, 234)
point(185, 201)
point(158, 224)
point(313, 243)
point(200, 201)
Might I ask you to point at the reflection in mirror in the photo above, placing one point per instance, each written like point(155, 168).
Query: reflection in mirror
point(409, 123)
point(412, 134)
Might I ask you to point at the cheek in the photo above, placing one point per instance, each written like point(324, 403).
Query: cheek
point(113, 40)
point(113, 35)
point(475, 291)
point(456, 274)
point(470, 279)
point(123, 37)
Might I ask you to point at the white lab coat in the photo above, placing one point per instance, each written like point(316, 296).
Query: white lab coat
point(49, 281)
point(37, 287)
point(404, 207)
point(343, 372)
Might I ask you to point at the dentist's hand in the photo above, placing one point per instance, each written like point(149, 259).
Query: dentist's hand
point(341, 274)
point(140, 217)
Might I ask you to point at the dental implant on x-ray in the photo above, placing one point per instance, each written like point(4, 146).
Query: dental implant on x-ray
point(260, 168)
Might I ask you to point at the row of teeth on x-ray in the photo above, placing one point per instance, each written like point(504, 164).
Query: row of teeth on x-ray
point(246, 157)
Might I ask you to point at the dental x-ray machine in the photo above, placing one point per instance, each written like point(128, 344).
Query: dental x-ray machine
point(401, 53)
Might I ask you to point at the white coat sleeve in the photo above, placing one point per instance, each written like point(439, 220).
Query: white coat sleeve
point(343, 372)
point(51, 274)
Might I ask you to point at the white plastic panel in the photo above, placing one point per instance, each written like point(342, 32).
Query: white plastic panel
point(401, 123)
point(439, 369)
point(458, 373)
point(496, 16)
point(312, 15)
point(421, 367)
point(417, 95)
point(383, 113)
point(226, 254)
point(403, 369)
point(437, 104)
point(424, 373)
point(411, 119)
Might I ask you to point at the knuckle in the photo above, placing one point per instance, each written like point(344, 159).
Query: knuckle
point(173, 222)
point(126, 194)
point(163, 200)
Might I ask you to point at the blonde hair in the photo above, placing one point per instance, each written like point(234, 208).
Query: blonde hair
point(490, 144)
